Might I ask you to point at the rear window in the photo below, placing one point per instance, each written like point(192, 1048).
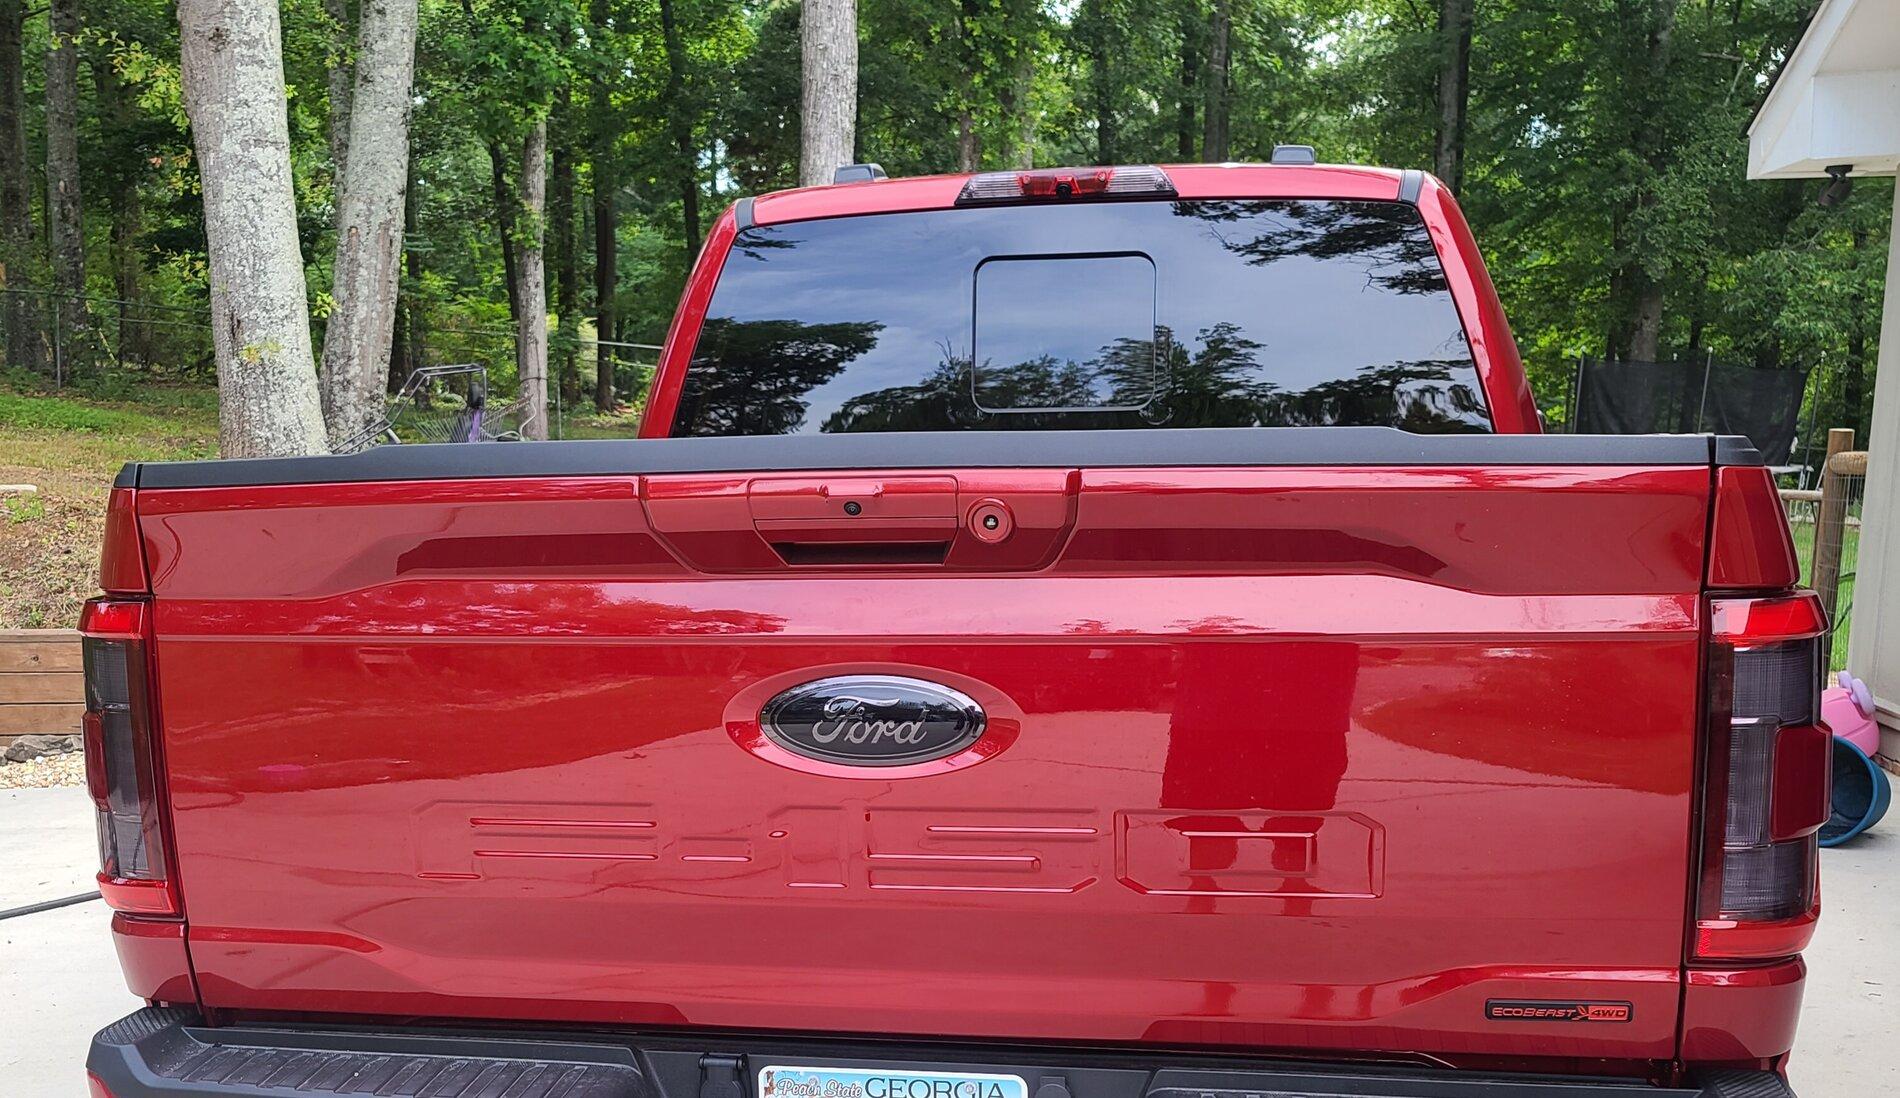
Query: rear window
point(1110, 315)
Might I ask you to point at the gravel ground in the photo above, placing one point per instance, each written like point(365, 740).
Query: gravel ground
point(67, 769)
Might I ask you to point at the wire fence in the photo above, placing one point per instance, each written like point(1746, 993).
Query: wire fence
point(70, 334)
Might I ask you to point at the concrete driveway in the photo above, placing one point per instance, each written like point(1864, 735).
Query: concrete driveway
point(60, 980)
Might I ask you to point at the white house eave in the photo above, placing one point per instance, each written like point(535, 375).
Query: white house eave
point(1837, 100)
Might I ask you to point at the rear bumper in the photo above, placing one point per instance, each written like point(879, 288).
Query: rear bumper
point(165, 1051)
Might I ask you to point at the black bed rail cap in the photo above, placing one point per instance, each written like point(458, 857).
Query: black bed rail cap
point(1233, 446)
point(1736, 450)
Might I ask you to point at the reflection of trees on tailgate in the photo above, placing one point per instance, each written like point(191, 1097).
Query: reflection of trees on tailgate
point(1387, 238)
point(750, 377)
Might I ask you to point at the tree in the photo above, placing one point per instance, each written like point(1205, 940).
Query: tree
point(969, 141)
point(18, 310)
point(65, 230)
point(828, 49)
point(233, 81)
point(531, 319)
point(1192, 31)
point(604, 166)
point(1099, 31)
point(679, 124)
point(340, 84)
point(1636, 288)
point(1218, 91)
point(1454, 90)
point(121, 125)
point(368, 266)
point(567, 273)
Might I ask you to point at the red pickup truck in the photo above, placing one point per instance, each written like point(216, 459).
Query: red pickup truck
point(1102, 633)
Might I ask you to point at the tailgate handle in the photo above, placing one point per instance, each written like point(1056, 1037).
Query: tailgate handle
point(858, 520)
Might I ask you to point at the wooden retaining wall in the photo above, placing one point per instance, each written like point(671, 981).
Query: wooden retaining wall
point(41, 687)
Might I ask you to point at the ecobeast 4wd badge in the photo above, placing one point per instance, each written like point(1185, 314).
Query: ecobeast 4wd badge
point(1555, 1010)
point(816, 1082)
point(873, 720)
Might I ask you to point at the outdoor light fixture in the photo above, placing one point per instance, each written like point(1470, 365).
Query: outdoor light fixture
point(1834, 191)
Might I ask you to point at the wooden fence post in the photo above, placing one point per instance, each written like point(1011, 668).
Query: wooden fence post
point(1830, 522)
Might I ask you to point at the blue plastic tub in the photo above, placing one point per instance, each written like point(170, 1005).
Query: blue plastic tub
point(1861, 794)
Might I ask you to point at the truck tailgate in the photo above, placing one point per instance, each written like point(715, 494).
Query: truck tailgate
point(1338, 755)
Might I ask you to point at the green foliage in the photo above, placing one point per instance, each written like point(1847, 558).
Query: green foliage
point(104, 407)
point(1604, 151)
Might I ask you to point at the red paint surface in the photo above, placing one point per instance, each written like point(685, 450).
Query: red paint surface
point(152, 955)
point(1743, 1016)
point(1273, 738)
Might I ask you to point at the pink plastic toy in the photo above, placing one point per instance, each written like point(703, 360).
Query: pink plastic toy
point(1848, 709)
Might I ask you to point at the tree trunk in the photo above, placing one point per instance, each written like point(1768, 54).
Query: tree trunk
point(1100, 46)
point(567, 275)
point(828, 50)
point(65, 234)
point(1636, 294)
point(368, 270)
point(1646, 326)
point(233, 75)
point(606, 285)
point(504, 196)
point(969, 143)
point(117, 112)
point(1854, 385)
point(605, 170)
point(18, 311)
point(1185, 105)
point(1214, 131)
point(1021, 111)
point(531, 322)
point(412, 353)
point(1454, 90)
point(342, 49)
point(680, 121)
point(505, 217)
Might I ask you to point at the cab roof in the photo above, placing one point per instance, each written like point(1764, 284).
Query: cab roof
point(939, 192)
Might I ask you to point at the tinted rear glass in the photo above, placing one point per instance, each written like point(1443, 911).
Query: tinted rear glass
point(1125, 314)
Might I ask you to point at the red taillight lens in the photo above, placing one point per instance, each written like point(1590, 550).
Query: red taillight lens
point(1059, 183)
point(1766, 779)
point(121, 760)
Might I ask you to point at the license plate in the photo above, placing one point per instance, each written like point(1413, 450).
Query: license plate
point(895, 1082)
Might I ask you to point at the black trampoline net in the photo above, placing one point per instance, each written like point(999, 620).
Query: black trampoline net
point(1645, 398)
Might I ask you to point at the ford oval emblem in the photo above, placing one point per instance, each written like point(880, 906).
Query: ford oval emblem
point(872, 720)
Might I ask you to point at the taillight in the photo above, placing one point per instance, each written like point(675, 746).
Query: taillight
point(1142, 181)
point(121, 758)
point(121, 563)
point(1750, 545)
point(1766, 778)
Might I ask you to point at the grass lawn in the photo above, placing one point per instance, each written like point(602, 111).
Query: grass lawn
point(1844, 604)
point(70, 447)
